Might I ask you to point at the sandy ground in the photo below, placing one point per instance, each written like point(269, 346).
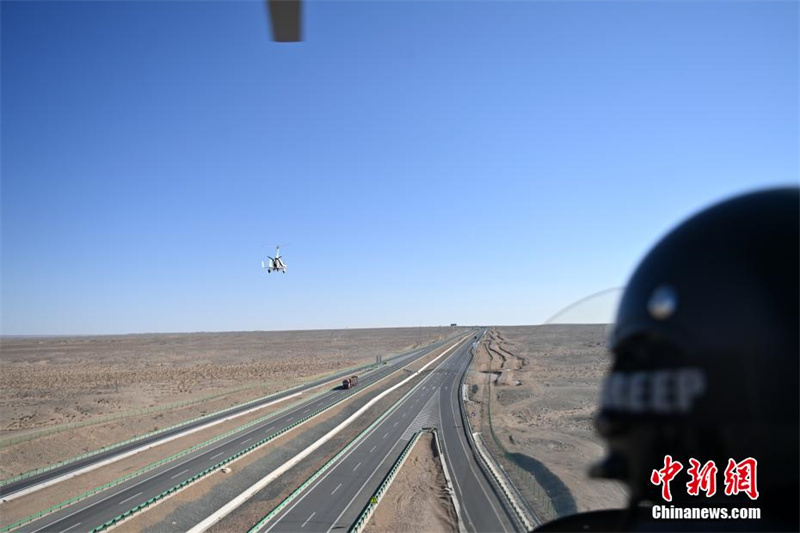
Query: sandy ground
point(52, 381)
point(417, 500)
point(542, 383)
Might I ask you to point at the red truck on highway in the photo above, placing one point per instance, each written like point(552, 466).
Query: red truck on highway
point(349, 383)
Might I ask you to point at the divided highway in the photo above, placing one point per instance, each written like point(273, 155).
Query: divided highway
point(98, 509)
point(335, 500)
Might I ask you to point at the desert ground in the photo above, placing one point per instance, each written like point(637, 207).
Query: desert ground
point(417, 499)
point(157, 380)
point(542, 384)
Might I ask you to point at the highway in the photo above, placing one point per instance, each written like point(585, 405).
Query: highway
point(101, 507)
point(335, 500)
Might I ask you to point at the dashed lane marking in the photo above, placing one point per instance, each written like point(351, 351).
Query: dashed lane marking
point(178, 474)
point(132, 497)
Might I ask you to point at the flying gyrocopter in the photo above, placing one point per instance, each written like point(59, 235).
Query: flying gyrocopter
point(274, 263)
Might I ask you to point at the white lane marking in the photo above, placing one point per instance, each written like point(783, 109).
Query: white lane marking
point(373, 448)
point(290, 419)
point(337, 488)
point(269, 428)
point(394, 425)
point(220, 453)
point(307, 519)
point(70, 527)
point(356, 468)
point(245, 441)
point(132, 497)
point(178, 474)
point(384, 435)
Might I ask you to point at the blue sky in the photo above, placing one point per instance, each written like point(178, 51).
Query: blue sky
point(429, 162)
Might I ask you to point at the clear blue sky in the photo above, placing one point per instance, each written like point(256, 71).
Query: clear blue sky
point(429, 162)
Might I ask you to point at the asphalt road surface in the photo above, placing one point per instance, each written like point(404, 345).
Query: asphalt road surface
point(104, 506)
point(335, 500)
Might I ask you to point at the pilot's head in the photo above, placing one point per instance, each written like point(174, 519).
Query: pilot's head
point(705, 352)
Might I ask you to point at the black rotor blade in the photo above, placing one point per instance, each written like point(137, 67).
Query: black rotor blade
point(285, 19)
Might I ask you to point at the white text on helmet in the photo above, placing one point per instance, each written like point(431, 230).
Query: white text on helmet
point(659, 391)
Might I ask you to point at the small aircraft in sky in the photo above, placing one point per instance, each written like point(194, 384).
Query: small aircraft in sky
point(275, 263)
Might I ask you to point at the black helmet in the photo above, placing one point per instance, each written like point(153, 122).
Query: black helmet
point(705, 351)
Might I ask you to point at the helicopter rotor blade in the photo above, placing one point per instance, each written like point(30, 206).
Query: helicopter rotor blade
point(285, 20)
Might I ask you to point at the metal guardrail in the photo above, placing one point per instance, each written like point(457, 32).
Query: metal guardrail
point(365, 515)
point(175, 426)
